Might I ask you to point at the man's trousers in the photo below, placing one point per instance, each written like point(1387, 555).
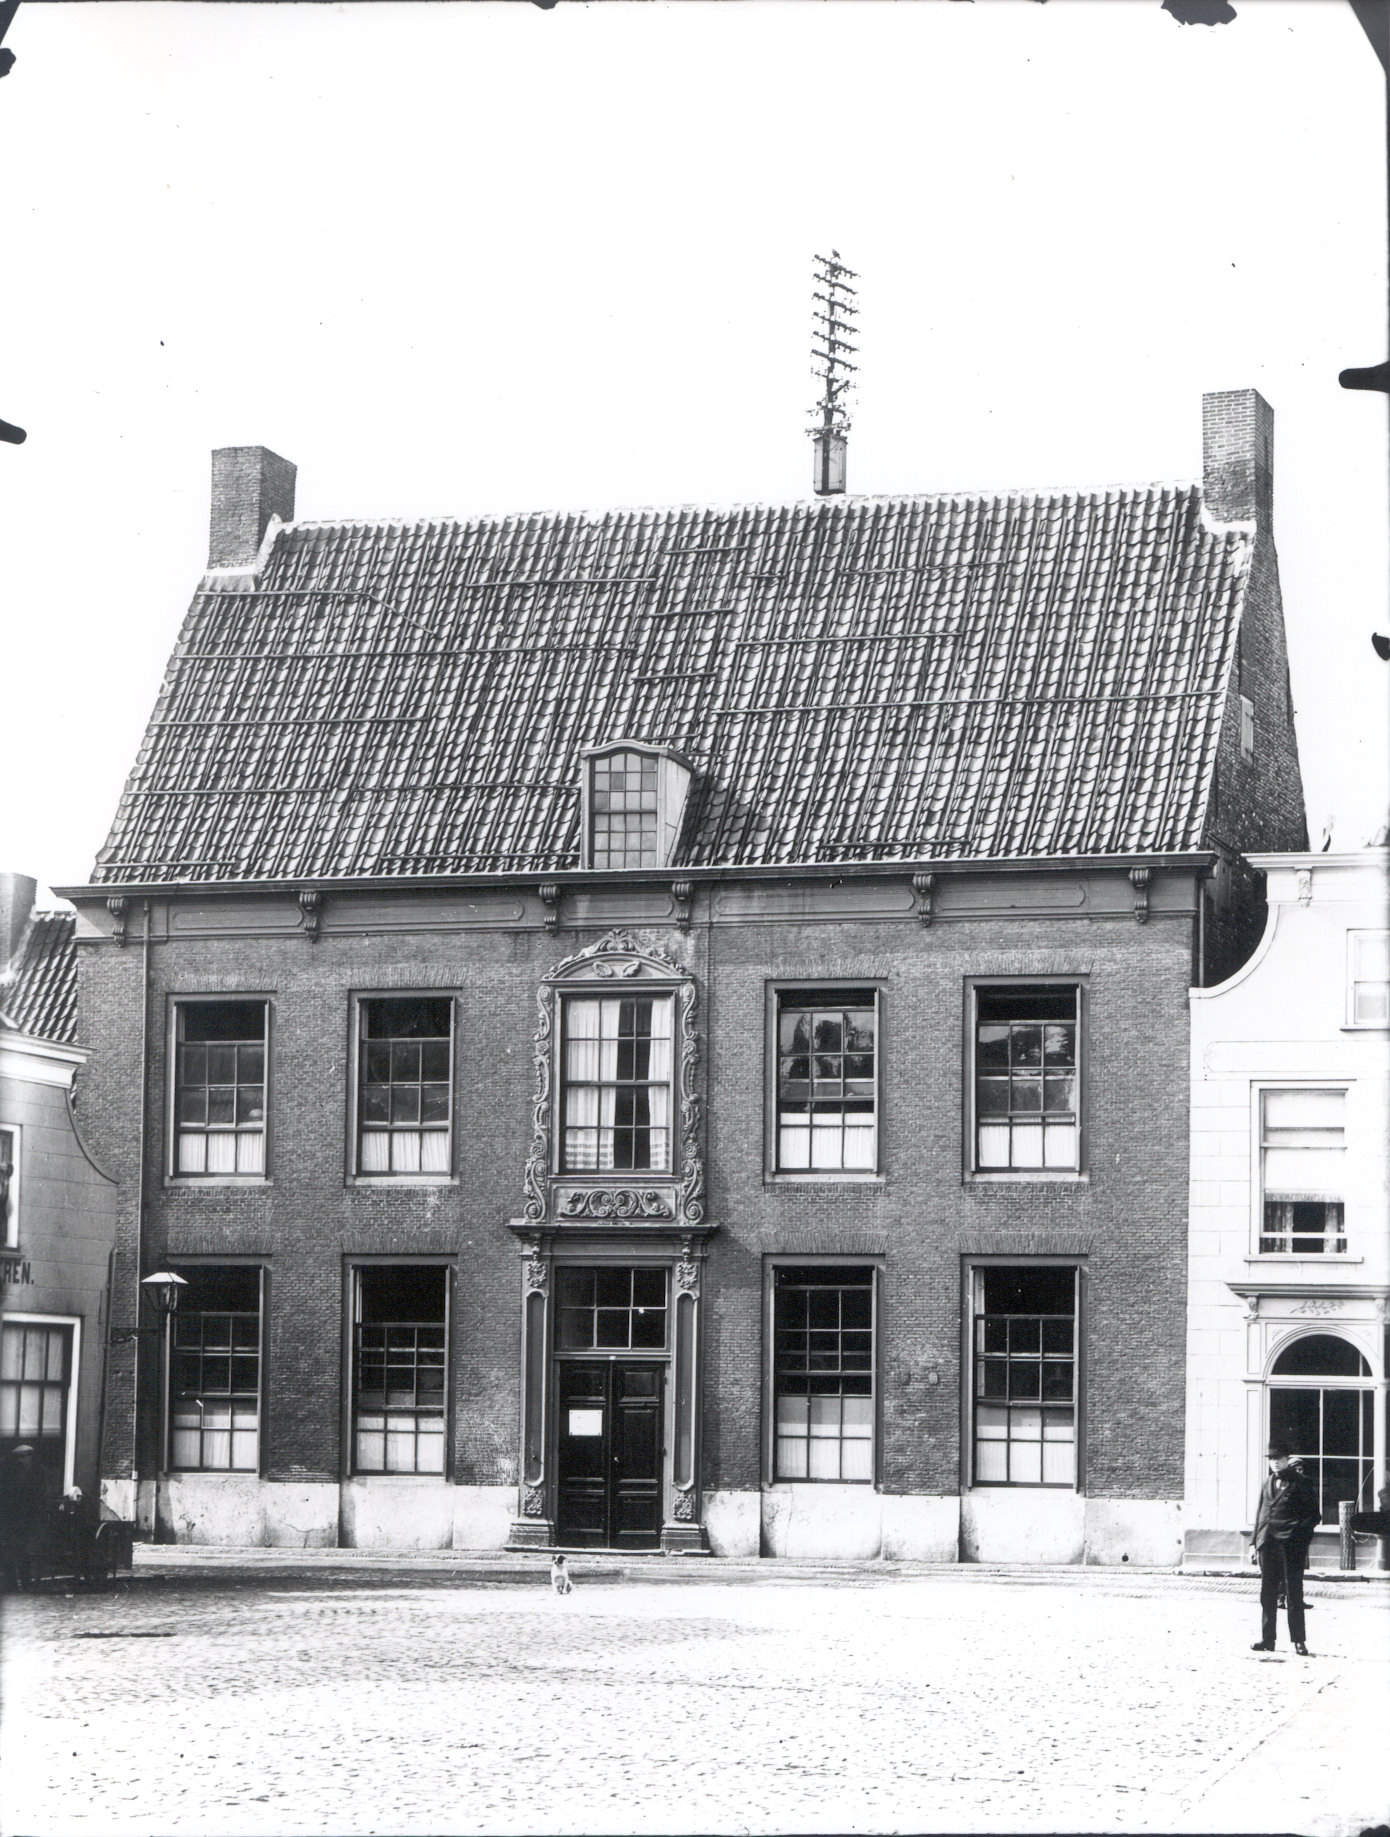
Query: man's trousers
point(1281, 1572)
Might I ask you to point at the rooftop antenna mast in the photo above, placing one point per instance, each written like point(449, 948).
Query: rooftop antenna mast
point(832, 347)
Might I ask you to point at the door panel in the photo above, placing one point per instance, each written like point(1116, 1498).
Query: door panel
point(609, 1448)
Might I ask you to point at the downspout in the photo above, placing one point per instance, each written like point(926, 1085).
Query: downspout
point(140, 1215)
point(107, 1300)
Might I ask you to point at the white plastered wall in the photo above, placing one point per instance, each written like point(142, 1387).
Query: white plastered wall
point(1282, 1020)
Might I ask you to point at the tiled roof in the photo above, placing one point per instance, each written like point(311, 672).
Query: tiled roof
point(852, 679)
point(39, 995)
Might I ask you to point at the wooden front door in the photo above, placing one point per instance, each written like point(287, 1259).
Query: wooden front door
point(610, 1453)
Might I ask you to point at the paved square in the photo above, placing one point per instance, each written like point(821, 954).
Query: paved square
point(412, 1701)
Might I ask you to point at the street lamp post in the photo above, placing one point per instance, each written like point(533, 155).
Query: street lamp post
point(162, 1291)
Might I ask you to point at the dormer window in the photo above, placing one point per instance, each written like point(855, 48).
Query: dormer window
point(634, 804)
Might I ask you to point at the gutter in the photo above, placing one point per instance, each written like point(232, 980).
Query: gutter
point(1190, 861)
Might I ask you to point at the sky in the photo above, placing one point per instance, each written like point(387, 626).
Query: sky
point(454, 259)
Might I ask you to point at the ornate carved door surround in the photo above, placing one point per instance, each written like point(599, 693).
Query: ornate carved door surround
point(611, 1216)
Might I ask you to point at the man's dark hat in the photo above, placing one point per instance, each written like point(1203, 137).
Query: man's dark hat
point(1280, 1449)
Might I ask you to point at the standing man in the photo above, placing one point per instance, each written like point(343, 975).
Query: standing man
point(1285, 1520)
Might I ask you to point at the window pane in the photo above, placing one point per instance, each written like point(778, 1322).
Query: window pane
point(1025, 1463)
point(1058, 1464)
point(992, 1462)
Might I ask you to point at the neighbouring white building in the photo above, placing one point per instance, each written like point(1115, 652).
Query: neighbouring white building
point(1290, 1168)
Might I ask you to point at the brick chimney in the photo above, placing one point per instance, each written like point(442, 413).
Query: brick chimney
point(250, 485)
point(17, 892)
point(1238, 457)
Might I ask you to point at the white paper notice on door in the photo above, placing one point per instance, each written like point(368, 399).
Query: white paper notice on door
point(586, 1422)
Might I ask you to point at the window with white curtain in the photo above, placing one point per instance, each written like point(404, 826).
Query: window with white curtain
point(404, 1084)
point(1369, 992)
point(400, 1336)
point(219, 1088)
point(1302, 1178)
point(616, 1073)
point(215, 1371)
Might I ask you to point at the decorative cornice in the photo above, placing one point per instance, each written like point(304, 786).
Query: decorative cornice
point(620, 953)
point(614, 1202)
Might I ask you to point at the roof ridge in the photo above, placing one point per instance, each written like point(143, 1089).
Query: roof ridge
point(694, 506)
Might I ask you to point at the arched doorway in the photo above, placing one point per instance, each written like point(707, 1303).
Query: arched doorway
point(1322, 1402)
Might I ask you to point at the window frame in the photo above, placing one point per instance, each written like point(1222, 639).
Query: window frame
point(1362, 1385)
point(202, 1265)
point(994, 1176)
point(353, 1266)
point(9, 1232)
point(75, 1324)
point(1247, 727)
point(791, 1260)
point(971, 1272)
point(639, 989)
point(353, 1175)
point(774, 989)
point(1354, 934)
point(1258, 1092)
point(176, 1005)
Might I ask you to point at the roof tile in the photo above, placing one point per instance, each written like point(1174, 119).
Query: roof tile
point(891, 679)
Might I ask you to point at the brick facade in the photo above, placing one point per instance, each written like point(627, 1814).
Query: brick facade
point(1123, 1221)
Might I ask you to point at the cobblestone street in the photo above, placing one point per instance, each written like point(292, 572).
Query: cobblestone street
point(657, 1698)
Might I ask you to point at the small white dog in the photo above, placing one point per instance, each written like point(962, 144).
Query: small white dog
point(560, 1576)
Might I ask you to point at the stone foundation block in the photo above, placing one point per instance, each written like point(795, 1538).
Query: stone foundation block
point(211, 1508)
point(825, 1523)
point(482, 1516)
point(919, 1529)
point(1147, 1532)
point(397, 1512)
point(301, 1515)
point(733, 1523)
point(1022, 1524)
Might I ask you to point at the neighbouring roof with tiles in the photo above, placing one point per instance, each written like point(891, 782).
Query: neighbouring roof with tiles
point(852, 680)
point(38, 996)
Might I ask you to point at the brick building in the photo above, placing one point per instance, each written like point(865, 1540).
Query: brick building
point(1290, 1269)
point(57, 1206)
point(668, 1029)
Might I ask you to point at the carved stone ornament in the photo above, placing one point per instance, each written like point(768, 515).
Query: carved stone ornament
point(537, 1274)
point(619, 954)
point(614, 1202)
point(119, 908)
point(923, 886)
point(311, 905)
point(1304, 879)
point(1139, 878)
point(1318, 1305)
point(533, 1502)
point(687, 1277)
point(683, 1507)
point(606, 958)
